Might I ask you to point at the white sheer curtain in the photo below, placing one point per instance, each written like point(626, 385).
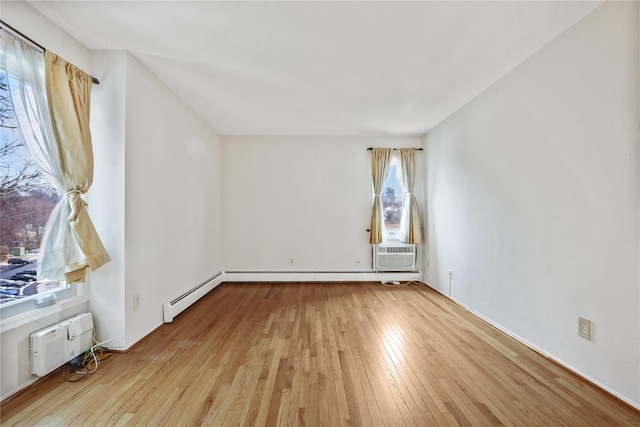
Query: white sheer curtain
point(380, 161)
point(25, 67)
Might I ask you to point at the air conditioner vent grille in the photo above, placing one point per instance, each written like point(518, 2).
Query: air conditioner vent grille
point(394, 257)
point(396, 249)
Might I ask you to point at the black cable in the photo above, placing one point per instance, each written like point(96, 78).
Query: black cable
point(74, 369)
point(85, 364)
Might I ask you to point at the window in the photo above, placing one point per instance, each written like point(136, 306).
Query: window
point(26, 202)
point(395, 215)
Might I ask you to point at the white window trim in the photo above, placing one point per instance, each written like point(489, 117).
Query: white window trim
point(395, 161)
point(81, 297)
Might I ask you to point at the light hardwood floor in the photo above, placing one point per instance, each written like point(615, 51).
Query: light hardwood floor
point(322, 354)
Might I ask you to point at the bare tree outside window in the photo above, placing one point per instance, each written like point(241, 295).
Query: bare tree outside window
point(26, 197)
point(392, 206)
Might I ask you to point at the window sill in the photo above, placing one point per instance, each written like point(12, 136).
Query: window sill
point(25, 318)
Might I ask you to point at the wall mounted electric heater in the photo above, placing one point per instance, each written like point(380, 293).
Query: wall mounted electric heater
point(55, 345)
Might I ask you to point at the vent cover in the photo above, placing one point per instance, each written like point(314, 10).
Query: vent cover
point(55, 345)
point(394, 257)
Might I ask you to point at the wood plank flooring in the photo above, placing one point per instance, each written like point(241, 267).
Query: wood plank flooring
point(322, 355)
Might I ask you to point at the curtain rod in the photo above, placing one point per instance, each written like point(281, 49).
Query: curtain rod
point(394, 149)
point(38, 45)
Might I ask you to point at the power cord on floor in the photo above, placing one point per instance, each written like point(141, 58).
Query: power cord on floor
point(393, 283)
point(87, 363)
point(396, 284)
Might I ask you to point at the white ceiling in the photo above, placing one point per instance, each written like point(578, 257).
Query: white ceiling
point(324, 67)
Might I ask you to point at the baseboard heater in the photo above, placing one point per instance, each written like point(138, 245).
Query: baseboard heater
point(322, 276)
point(172, 308)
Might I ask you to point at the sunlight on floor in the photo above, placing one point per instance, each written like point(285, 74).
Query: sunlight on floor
point(392, 343)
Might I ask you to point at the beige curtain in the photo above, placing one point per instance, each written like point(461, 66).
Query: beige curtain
point(408, 160)
point(380, 161)
point(69, 94)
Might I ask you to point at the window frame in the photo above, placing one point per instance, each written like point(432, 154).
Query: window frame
point(395, 165)
point(80, 296)
point(14, 313)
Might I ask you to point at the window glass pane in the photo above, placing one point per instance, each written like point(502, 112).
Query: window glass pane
point(392, 203)
point(26, 202)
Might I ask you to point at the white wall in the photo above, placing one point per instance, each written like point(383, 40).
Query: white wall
point(533, 200)
point(106, 200)
point(306, 197)
point(172, 202)
point(158, 207)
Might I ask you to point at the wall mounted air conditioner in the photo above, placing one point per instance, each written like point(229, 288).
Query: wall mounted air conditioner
point(55, 345)
point(394, 257)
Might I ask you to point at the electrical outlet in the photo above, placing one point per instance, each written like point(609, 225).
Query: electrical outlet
point(136, 301)
point(291, 262)
point(584, 328)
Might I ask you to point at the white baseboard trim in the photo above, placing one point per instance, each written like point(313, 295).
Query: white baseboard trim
point(322, 276)
point(539, 350)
